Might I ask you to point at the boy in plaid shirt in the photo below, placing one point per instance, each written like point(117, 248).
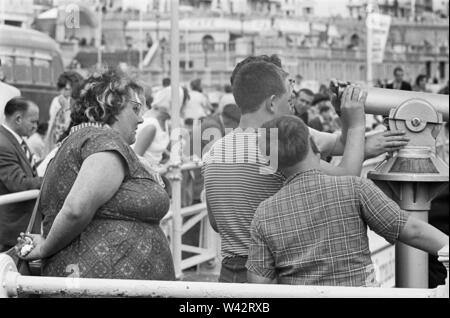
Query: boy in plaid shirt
point(314, 230)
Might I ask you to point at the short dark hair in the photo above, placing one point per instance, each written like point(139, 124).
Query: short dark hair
point(419, 78)
point(324, 108)
point(274, 59)
point(196, 85)
point(398, 68)
point(16, 104)
point(319, 98)
point(189, 122)
point(42, 128)
point(166, 82)
point(307, 91)
point(77, 81)
point(232, 111)
point(255, 82)
point(293, 139)
point(63, 79)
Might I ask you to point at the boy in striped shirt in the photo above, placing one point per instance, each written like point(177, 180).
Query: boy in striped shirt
point(237, 178)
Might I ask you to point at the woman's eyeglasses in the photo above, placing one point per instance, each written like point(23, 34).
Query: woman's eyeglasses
point(137, 107)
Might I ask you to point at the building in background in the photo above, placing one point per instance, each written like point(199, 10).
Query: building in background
point(16, 12)
point(416, 9)
point(313, 39)
point(441, 7)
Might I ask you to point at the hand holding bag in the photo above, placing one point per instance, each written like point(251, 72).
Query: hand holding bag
point(28, 268)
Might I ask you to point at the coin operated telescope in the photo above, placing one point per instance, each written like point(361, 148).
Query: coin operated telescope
point(413, 176)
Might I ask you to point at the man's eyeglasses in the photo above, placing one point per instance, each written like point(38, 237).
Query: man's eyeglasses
point(137, 107)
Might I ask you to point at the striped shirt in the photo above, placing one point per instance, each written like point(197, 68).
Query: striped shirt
point(237, 179)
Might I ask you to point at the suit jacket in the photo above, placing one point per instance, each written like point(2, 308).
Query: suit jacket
point(304, 116)
point(404, 87)
point(16, 175)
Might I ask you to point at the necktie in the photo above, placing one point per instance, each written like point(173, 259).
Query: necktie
point(29, 156)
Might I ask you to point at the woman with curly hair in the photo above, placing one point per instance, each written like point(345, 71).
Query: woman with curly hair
point(101, 208)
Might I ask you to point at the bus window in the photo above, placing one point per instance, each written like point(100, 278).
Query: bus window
point(6, 69)
point(22, 70)
point(41, 72)
point(56, 69)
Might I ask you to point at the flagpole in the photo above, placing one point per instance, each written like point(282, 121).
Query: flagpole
point(2, 13)
point(369, 39)
point(141, 40)
point(413, 10)
point(176, 137)
point(99, 35)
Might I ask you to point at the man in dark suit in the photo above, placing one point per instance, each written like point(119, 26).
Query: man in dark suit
point(398, 82)
point(17, 168)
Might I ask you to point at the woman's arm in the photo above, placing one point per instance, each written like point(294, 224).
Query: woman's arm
point(144, 139)
point(100, 177)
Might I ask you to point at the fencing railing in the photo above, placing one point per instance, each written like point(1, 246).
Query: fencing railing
point(178, 221)
point(18, 197)
point(188, 217)
point(207, 248)
point(12, 284)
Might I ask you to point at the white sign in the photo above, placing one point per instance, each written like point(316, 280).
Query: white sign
point(378, 26)
point(384, 263)
point(383, 259)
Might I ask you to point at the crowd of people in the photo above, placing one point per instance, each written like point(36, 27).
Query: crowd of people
point(284, 213)
point(422, 83)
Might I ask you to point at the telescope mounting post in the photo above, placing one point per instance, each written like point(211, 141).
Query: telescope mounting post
point(413, 178)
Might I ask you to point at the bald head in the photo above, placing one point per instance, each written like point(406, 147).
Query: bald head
point(22, 116)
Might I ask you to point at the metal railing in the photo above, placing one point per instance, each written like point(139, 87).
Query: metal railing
point(18, 197)
point(12, 284)
point(207, 248)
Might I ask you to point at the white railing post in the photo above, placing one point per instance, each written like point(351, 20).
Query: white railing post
point(7, 270)
point(175, 178)
point(443, 291)
point(18, 197)
point(12, 284)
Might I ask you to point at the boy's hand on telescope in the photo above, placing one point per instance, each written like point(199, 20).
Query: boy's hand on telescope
point(352, 107)
point(388, 141)
point(337, 90)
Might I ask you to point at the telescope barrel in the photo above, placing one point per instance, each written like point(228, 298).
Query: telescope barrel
point(381, 100)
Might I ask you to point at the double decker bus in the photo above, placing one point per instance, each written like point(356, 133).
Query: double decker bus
point(32, 62)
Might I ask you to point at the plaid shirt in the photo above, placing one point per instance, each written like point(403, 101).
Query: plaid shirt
point(314, 231)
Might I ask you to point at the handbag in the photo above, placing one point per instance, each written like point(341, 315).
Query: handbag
point(28, 268)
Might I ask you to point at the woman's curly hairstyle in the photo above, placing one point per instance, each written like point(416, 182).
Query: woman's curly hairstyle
point(102, 97)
